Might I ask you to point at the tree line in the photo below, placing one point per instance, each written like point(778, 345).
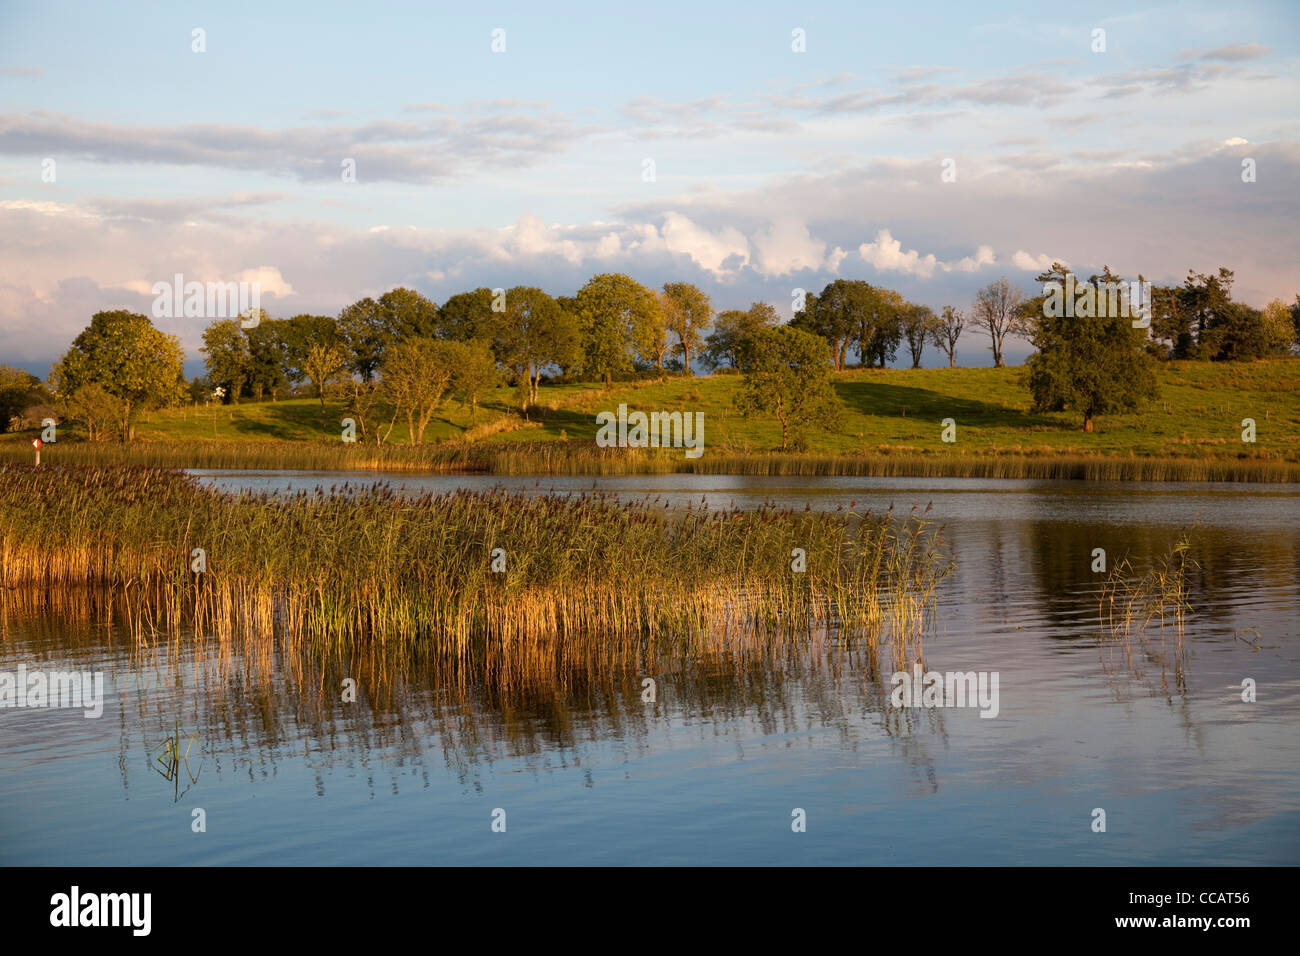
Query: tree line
point(400, 356)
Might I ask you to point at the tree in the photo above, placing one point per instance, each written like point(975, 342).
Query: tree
point(227, 358)
point(474, 371)
point(997, 310)
point(364, 333)
point(687, 314)
point(918, 323)
point(1237, 332)
point(609, 309)
point(299, 334)
point(417, 374)
point(364, 401)
point(266, 359)
point(845, 309)
point(129, 359)
point(787, 373)
point(468, 315)
point(535, 333)
point(405, 314)
point(1092, 364)
point(947, 330)
point(19, 391)
point(880, 333)
point(731, 329)
point(1205, 303)
point(322, 365)
point(650, 332)
point(96, 409)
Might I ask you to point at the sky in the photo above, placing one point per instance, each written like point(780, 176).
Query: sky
point(754, 149)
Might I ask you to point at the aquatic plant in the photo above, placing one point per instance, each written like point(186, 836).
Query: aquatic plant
point(348, 567)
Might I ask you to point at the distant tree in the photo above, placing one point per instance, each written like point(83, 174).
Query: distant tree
point(841, 311)
point(1171, 327)
point(406, 314)
point(364, 332)
point(536, 333)
point(688, 313)
point(299, 334)
point(1237, 332)
point(947, 331)
point(365, 403)
point(417, 375)
point(129, 359)
point(787, 374)
point(1094, 365)
point(266, 359)
point(919, 324)
point(323, 365)
point(99, 412)
point(731, 329)
point(1279, 329)
point(474, 371)
point(880, 333)
point(609, 309)
point(997, 310)
point(19, 391)
point(650, 332)
point(468, 315)
point(1294, 309)
point(1205, 303)
point(226, 357)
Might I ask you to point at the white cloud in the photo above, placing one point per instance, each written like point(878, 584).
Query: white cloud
point(708, 250)
point(786, 246)
point(886, 254)
point(268, 280)
point(1023, 260)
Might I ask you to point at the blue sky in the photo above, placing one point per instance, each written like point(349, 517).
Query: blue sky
point(774, 169)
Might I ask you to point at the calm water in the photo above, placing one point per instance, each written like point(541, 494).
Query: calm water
point(587, 773)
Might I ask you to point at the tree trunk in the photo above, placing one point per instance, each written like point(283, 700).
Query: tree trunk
point(1087, 422)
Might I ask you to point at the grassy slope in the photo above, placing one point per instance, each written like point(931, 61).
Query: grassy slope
point(1199, 412)
point(1198, 415)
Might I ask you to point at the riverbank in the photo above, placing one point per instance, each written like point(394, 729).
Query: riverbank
point(577, 458)
point(893, 425)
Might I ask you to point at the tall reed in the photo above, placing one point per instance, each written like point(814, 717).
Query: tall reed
point(584, 458)
point(350, 567)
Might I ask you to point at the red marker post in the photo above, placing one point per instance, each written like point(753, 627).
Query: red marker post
point(36, 443)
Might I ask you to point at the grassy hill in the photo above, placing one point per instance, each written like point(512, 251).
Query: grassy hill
point(892, 413)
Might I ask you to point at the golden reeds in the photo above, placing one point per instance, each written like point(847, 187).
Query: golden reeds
point(348, 568)
point(584, 458)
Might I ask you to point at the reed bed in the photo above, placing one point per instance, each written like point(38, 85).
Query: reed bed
point(350, 569)
point(1131, 603)
point(584, 458)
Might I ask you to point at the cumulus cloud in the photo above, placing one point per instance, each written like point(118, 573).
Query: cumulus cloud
point(721, 252)
point(886, 254)
point(1030, 263)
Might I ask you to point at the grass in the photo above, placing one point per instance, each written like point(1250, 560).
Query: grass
point(891, 426)
point(347, 569)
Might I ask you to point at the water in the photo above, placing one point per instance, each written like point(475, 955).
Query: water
point(286, 773)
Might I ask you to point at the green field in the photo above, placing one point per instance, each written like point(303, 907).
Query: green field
point(893, 413)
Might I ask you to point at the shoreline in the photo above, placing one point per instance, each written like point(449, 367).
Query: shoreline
point(559, 458)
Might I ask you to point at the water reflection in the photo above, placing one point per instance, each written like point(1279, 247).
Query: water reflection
point(1156, 732)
